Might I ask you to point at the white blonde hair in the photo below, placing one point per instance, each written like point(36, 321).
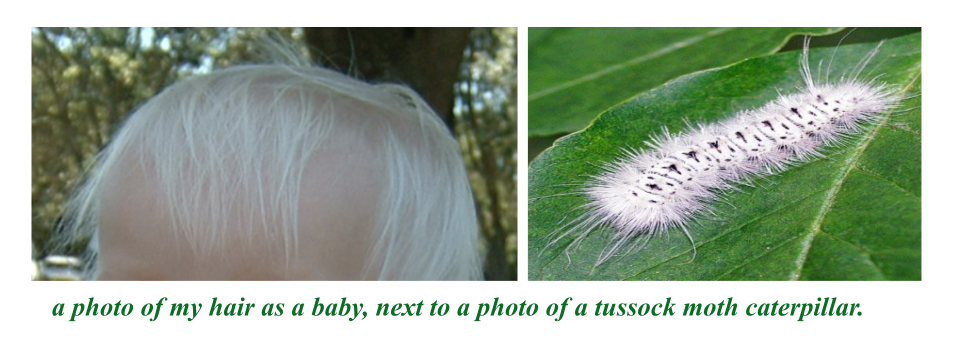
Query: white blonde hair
point(239, 141)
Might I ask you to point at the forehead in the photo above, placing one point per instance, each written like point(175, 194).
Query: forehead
point(238, 193)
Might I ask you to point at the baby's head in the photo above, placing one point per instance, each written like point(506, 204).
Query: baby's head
point(280, 172)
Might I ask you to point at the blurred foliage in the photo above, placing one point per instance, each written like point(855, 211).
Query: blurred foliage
point(485, 113)
point(85, 81)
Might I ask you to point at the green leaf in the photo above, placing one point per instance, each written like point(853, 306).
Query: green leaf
point(855, 215)
point(575, 73)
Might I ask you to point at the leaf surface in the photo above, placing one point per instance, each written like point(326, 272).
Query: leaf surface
point(854, 215)
point(575, 73)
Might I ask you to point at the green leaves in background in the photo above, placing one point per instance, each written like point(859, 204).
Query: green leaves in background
point(575, 73)
point(855, 215)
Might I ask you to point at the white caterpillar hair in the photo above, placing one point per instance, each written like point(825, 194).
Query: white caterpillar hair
point(279, 172)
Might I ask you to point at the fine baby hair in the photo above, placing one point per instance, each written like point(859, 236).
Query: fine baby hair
point(279, 172)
